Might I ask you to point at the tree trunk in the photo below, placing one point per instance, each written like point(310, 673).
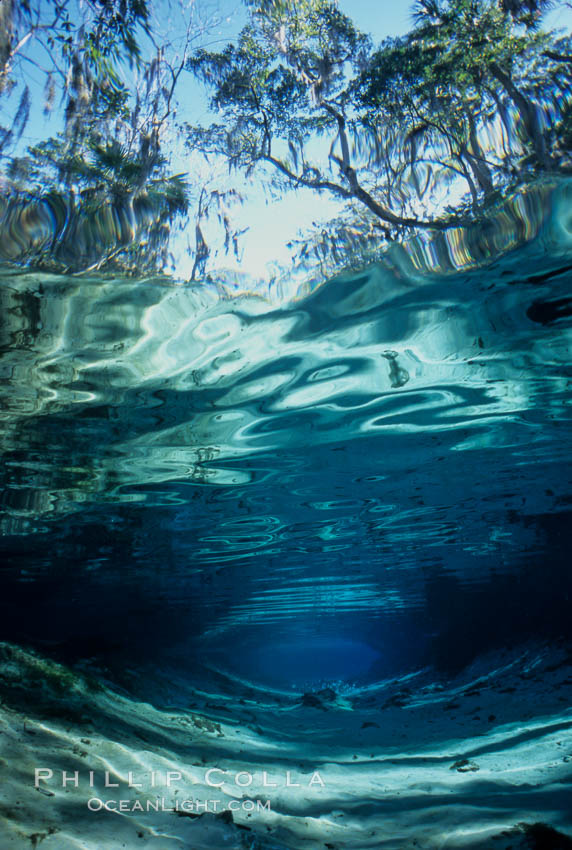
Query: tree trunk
point(466, 174)
point(504, 118)
point(477, 161)
point(527, 111)
point(6, 34)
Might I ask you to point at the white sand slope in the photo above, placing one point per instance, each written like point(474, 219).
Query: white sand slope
point(409, 764)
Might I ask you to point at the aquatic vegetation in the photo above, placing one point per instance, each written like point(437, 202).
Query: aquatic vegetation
point(26, 670)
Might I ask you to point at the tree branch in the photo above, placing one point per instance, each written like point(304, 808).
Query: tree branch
point(557, 57)
point(357, 192)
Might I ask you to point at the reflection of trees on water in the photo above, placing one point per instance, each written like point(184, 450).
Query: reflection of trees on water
point(419, 133)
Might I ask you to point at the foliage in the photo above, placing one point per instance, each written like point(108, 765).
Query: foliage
point(422, 131)
point(103, 180)
point(461, 105)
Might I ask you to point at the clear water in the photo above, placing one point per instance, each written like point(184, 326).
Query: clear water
point(370, 480)
point(383, 462)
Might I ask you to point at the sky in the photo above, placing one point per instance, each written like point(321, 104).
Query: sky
point(380, 19)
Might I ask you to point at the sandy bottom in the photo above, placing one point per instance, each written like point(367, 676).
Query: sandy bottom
point(402, 764)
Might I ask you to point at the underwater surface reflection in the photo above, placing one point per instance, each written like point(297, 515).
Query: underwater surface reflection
point(383, 459)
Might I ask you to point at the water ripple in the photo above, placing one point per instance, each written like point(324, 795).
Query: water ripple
point(408, 412)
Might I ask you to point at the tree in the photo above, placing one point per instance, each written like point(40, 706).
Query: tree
point(406, 85)
point(402, 122)
point(286, 83)
point(528, 12)
point(109, 30)
point(471, 100)
point(114, 212)
point(481, 47)
point(108, 164)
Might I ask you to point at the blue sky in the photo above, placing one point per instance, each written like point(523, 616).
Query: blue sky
point(381, 18)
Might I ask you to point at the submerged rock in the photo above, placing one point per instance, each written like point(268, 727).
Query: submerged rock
point(533, 836)
point(464, 766)
point(317, 699)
